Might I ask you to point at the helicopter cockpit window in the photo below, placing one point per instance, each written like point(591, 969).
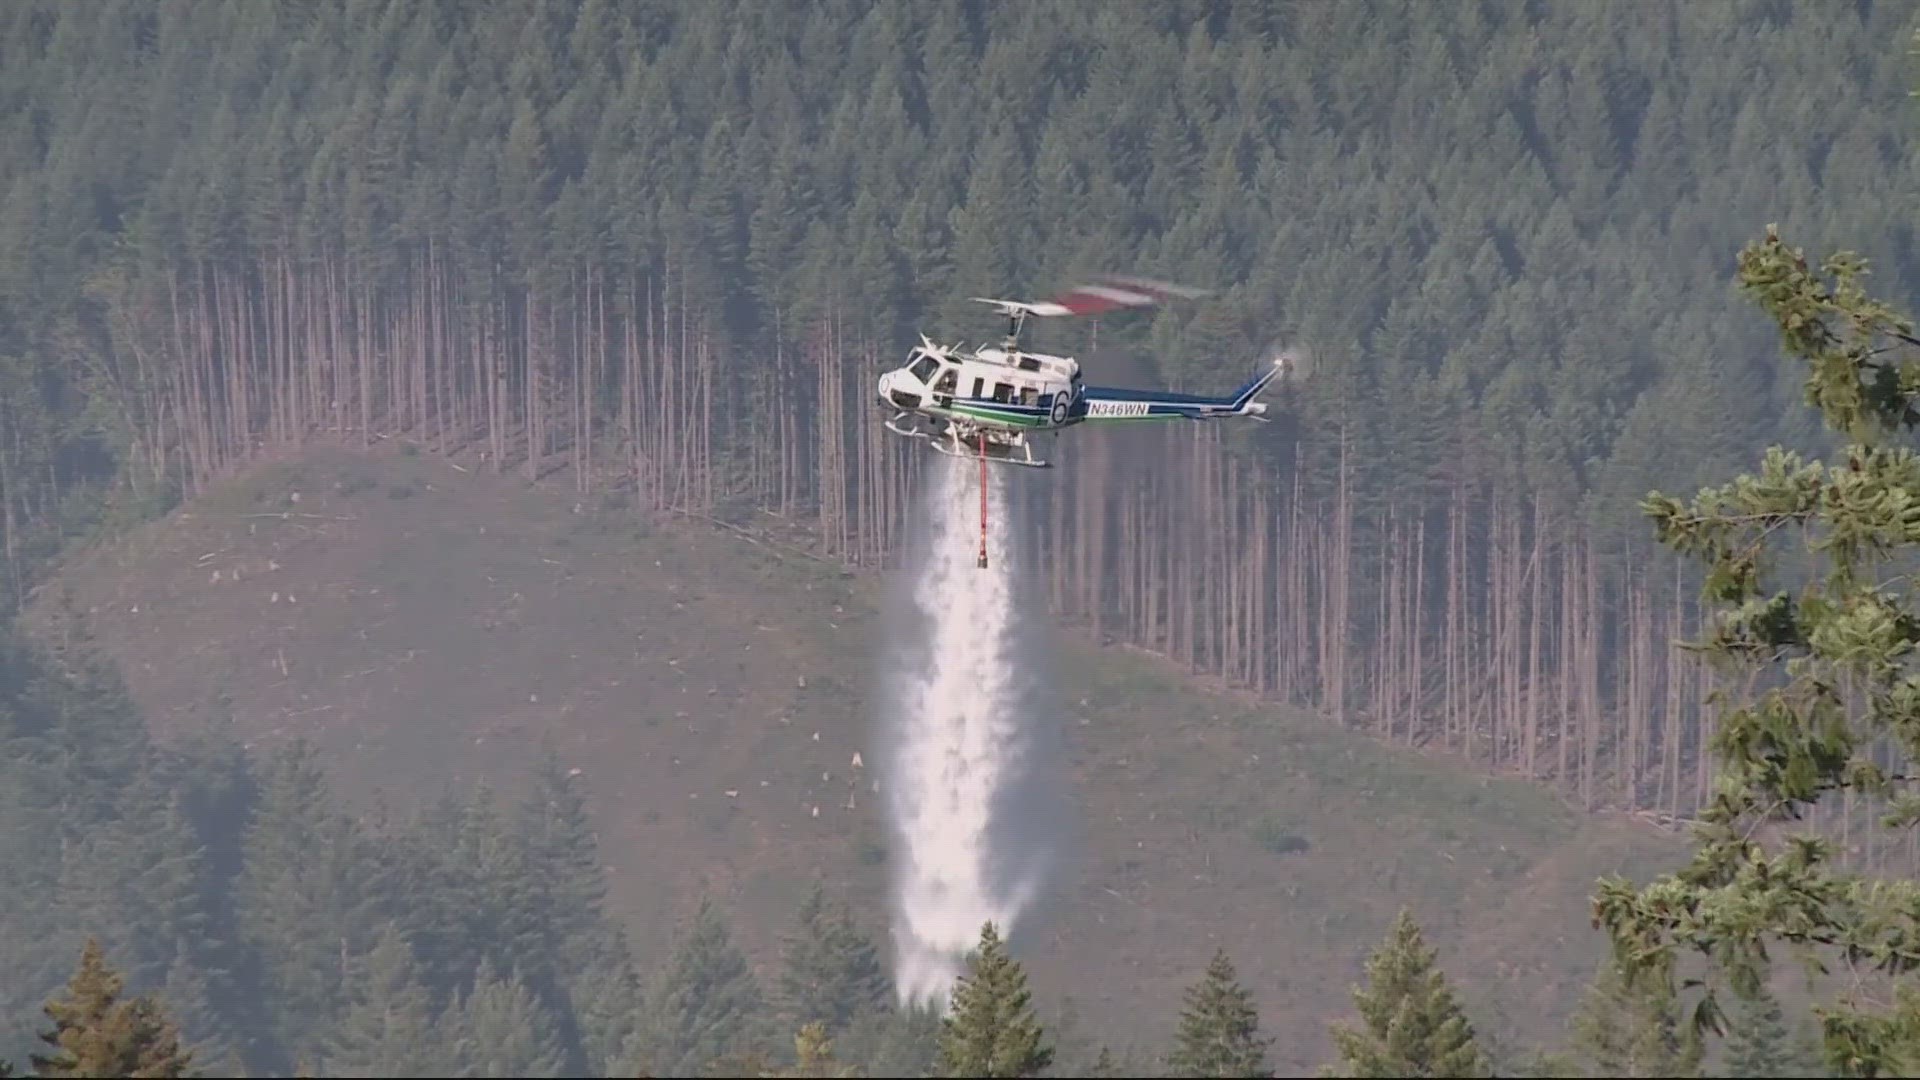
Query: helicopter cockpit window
point(949, 381)
point(923, 368)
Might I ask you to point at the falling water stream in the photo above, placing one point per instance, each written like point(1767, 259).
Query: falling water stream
point(964, 720)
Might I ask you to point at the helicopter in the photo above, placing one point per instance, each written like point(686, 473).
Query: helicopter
point(989, 401)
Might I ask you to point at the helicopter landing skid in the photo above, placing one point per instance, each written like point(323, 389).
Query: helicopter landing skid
point(907, 425)
point(998, 452)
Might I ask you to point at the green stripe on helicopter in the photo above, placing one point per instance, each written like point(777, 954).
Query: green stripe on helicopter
point(988, 412)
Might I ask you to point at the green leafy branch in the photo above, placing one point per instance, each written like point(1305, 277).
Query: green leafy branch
point(1838, 651)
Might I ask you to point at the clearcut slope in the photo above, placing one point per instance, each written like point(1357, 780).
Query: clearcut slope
point(426, 626)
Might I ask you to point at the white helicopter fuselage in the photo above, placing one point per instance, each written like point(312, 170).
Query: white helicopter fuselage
point(985, 388)
point(987, 401)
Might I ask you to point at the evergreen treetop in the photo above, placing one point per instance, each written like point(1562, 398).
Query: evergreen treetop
point(97, 1033)
point(1760, 1043)
point(990, 1028)
point(707, 1004)
point(1219, 1027)
point(833, 971)
point(1635, 1030)
point(813, 1055)
point(501, 1030)
point(1410, 1023)
point(392, 1028)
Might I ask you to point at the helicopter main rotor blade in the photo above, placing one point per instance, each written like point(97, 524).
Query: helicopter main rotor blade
point(1112, 292)
point(1105, 293)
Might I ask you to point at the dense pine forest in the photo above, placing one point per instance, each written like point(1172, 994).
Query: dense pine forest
point(658, 252)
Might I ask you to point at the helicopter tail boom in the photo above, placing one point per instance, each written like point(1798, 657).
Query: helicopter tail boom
point(1104, 403)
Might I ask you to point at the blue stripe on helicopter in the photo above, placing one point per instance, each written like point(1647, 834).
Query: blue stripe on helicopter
point(1153, 397)
point(1117, 402)
point(1106, 408)
point(1101, 407)
point(1184, 404)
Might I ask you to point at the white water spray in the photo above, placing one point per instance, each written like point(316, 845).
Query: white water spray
point(964, 737)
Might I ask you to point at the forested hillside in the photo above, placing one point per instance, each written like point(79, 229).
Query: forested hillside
point(659, 251)
point(231, 883)
point(664, 248)
point(284, 931)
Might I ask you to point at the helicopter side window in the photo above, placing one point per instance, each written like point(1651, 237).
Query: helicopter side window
point(979, 385)
point(949, 381)
point(923, 368)
point(1003, 393)
point(1026, 395)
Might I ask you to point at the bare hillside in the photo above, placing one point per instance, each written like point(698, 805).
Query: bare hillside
point(426, 626)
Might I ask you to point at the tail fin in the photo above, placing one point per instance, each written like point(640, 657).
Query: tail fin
point(1245, 395)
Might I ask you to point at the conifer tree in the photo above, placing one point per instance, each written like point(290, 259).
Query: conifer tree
point(561, 842)
point(744, 1061)
point(501, 1030)
point(904, 1041)
point(1759, 1042)
point(308, 883)
point(189, 1002)
point(1635, 1030)
point(392, 1027)
point(1412, 1025)
point(1219, 1028)
point(813, 1055)
point(707, 1003)
point(833, 971)
point(608, 1008)
point(140, 880)
point(96, 1033)
point(990, 1028)
point(514, 912)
